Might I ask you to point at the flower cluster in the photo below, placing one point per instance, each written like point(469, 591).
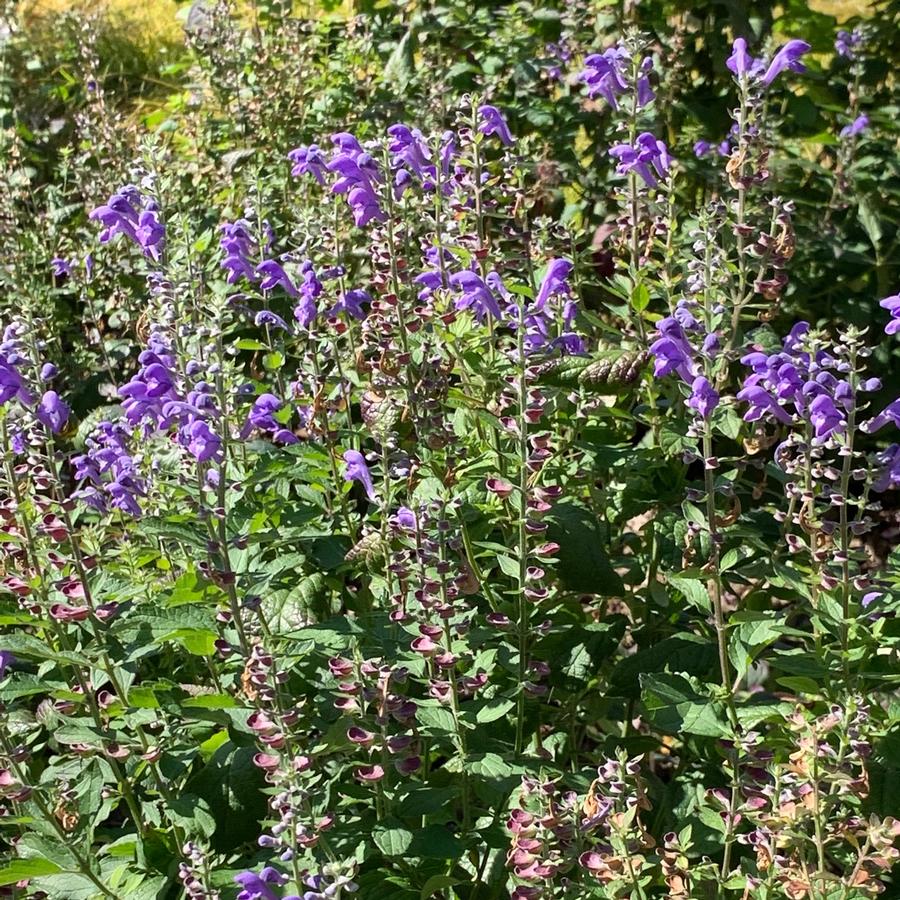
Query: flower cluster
point(755, 69)
point(616, 72)
point(135, 215)
point(648, 157)
point(112, 472)
point(156, 400)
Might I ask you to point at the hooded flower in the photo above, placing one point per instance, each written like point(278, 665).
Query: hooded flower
point(787, 58)
point(892, 305)
point(492, 122)
point(475, 295)
point(355, 469)
point(554, 282)
point(857, 126)
point(648, 158)
point(52, 412)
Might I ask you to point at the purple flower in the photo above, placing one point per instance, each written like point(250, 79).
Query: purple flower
point(351, 304)
point(240, 250)
point(476, 295)
point(647, 154)
point(787, 57)
point(606, 74)
point(846, 43)
point(6, 660)
point(404, 519)
point(111, 470)
point(358, 175)
point(308, 160)
point(857, 126)
point(11, 382)
point(701, 148)
point(355, 469)
point(888, 468)
point(48, 372)
point(554, 282)
point(740, 62)
point(704, 398)
point(273, 275)
point(52, 412)
point(201, 441)
point(891, 413)
point(256, 887)
point(265, 317)
point(673, 351)
point(492, 122)
point(60, 267)
point(410, 150)
point(892, 305)
point(130, 213)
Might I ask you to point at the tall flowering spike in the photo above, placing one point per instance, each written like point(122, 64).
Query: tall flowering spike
point(241, 251)
point(358, 174)
point(847, 43)
point(892, 305)
point(673, 351)
point(493, 122)
point(355, 469)
point(52, 412)
point(787, 57)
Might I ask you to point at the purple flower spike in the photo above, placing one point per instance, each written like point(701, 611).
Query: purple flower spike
point(492, 122)
point(52, 412)
point(788, 57)
point(355, 469)
point(892, 305)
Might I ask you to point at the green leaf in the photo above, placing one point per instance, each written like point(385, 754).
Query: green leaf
point(584, 565)
point(392, 839)
point(435, 884)
point(490, 766)
point(675, 707)
point(494, 709)
point(23, 869)
point(694, 590)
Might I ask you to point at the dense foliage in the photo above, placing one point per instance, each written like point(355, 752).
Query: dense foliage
point(450, 451)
